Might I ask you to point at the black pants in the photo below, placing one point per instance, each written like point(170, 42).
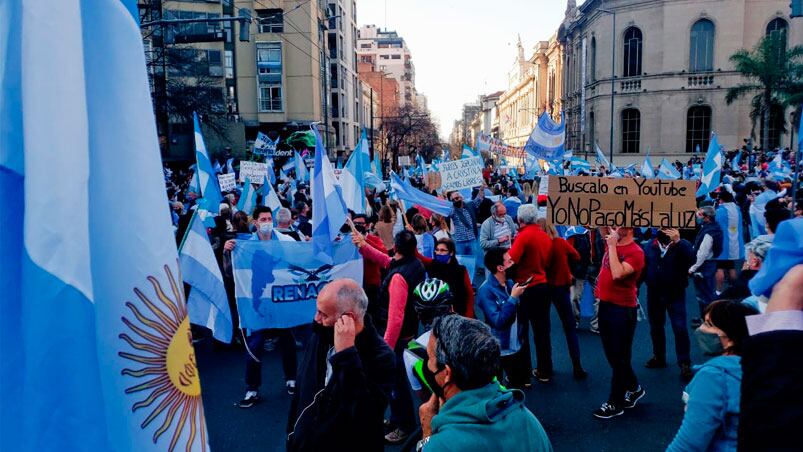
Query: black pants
point(256, 344)
point(534, 311)
point(561, 298)
point(402, 413)
point(617, 326)
point(517, 369)
point(658, 305)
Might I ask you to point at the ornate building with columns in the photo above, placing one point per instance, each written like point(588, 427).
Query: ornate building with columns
point(671, 70)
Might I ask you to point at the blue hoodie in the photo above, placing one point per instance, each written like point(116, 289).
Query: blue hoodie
point(712, 407)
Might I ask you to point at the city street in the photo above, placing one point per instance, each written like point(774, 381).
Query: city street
point(563, 406)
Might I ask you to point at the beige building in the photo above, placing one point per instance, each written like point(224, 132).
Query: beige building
point(281, 72)
point(534, 86)
point(671, 72)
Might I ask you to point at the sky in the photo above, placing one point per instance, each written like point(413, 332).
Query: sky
point(463, 48)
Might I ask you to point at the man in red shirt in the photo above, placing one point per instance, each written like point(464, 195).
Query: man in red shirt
point(617, 290)
point(531, 251)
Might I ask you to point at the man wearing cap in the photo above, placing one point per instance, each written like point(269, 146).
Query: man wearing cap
point(707, 245)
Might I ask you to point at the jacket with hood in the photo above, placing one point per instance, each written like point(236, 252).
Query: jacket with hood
point(712, 398)
point(349, 407)
point(486, 419)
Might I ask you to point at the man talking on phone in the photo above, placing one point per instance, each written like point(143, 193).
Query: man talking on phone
point(617, 290)
point(345, 377)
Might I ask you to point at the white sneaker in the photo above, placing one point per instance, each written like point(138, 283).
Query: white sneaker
point(291, 386)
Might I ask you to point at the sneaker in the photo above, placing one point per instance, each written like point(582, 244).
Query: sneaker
point(631, 397)
point(685, 371)
point(655, 363)
point(543, 377)
point(593, 330)
point(291, 386)
point(396, 436)
point(580, 373)
point(250, 399)
point(607, 411)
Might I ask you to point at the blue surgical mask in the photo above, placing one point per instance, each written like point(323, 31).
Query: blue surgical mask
point(442, 258)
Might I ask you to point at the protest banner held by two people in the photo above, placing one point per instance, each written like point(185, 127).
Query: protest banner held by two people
point(621, 202)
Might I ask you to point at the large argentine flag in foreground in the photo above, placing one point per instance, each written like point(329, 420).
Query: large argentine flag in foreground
point(96, 350)
point(208, 304)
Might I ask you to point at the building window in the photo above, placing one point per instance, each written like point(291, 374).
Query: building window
point(778, 26)
point(632, 59)
point(384, 57)
point(365, 46)
point(776, 127)
point(229, 55)
point(698, 128)
point(395, 57)
point(270, 20)
point(269, 76)
point(631, 130)
point(592, 69)
point(701, 46)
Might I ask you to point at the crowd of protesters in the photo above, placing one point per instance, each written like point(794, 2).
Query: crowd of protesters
point(474, 361)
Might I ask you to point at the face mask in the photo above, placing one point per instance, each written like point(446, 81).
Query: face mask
point(442, 258)
point(663, 248)
point(698, 220)
point(325, 333)
point(429, 377)
point(360, 228)
point(709, 342)
point(458, 204)
point(265, 228)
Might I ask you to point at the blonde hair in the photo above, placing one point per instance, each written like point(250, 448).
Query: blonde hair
point(548, 228)
point(527, 189)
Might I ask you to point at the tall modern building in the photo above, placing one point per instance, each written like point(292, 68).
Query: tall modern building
point(388, 53)
point(662, 74)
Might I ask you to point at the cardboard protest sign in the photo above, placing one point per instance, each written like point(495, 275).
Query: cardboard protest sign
point(404, 160)
point(628, 202)
point(255, 171)
point(227, 182)
point(460, 174)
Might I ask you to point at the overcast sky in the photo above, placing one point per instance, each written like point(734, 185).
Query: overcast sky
point(463, 48)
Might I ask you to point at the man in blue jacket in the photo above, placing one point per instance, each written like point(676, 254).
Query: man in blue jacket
point(667, 259)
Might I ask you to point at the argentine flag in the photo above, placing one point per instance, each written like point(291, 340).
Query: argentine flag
point(97, 352)
point(328, 210)
point(667, 170)
point(602, 160)
point(208, 304)
point(647, 170)
point(352, 178)
point(467, 152)
point(302, 174)
point(269, 197)
point(547, 138)
point(206, 174)
point(248, 198)
point(712, 168)
point(406, 192)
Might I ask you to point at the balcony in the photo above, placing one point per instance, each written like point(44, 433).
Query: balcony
point(630, 86)
point(700, 81)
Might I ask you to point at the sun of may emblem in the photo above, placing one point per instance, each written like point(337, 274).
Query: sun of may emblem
point(166, 360)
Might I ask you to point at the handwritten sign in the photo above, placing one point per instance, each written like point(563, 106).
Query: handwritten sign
point(227, 182)
point(254, 171)
point(629, 202)
point(460, 174)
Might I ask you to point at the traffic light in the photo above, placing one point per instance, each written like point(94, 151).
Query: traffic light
point(797, 8)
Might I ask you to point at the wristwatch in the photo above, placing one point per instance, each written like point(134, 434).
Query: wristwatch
point(420, 445)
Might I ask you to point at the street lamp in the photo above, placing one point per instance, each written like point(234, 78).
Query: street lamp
point(613, 73)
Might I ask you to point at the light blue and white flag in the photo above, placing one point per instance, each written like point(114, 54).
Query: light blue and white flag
point(406, 192)
point(647, 171)
point(218, 169)
point(468, 152)
point(735, 161)
point(421, 164)
point(269, 197)
point(712, 168)
point(377, 165)
point(96, 346)
point(194, 186)
point(667, 170)
point(269, 167)
point(207, 179)
point(230, 166)
point(602, 160)
point(577, 165)
point(302, 173)
point(208, 304)
point(248, 198)
point(547, 138)
point(328, 210)
point(276, 283)
point(352, 178)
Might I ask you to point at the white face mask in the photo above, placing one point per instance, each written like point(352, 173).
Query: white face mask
point(265, 228)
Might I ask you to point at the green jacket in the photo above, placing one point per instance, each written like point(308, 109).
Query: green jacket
point(487, 419)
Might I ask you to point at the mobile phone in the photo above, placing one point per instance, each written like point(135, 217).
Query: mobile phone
point(527, 282)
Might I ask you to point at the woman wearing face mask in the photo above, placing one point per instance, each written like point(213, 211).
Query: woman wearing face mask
point(444, 266)
point(713, 396)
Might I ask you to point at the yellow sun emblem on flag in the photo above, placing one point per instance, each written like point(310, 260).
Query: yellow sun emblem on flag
point(164, 350)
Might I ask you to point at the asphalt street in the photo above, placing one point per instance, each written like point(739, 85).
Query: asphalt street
point(563, 406)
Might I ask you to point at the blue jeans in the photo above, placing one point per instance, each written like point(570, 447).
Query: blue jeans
point(465, 248)
point(658, 305)
point(705, 285)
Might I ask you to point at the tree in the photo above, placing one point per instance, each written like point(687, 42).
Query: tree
point(410, 131)
point(773, 74)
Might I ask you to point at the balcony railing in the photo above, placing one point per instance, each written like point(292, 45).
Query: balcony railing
point(630, 85)
point(701, 81)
